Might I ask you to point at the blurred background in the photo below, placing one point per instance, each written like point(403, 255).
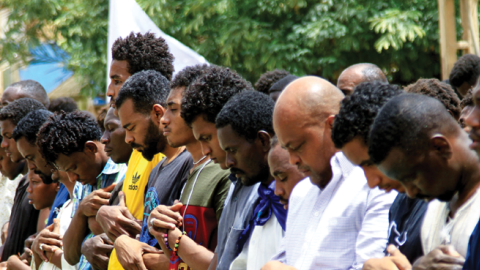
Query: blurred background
point(63, 43)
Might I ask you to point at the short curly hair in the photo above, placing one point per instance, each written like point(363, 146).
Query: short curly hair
point(247, 113)
point(66, 104)
point(467, 100)
point(269, 78)
point(144, 52)
point(466, 69)
point(67, 133)
point(19, 108)
point(29, 126)
point(188, 75)
point(209, 93)
point(439, 90)
point(145, 88)
point(406, 122)
point(358, 111)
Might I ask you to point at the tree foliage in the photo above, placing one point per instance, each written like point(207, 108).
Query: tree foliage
point(319, 37)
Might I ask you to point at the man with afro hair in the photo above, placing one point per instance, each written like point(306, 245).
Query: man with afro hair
point(244, 127)
point(141, 104)
point(350, 135)
point(23, 214)
point(135, 53)
point(66, 104)
point(202, 101)
point(269, 78)
point(203, 197)
point(71, 142)
point(10, 115)
point(25, 136)
point(132, 54)
point(465, 73)
point(439, 90)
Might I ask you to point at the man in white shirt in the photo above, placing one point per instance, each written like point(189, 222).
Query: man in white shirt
point(417, 142)
point(335, 220)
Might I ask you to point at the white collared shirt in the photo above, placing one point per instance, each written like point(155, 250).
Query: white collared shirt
point(338, 227)
point(260, 247)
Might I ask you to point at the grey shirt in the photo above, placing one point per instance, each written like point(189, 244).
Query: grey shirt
point(238, 210)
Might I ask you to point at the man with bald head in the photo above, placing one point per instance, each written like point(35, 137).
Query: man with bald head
point(358, 73)
point(335, 221)
point(25, 89)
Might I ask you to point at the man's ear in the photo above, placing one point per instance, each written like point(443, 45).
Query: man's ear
point(441, 146)
point(91, 146)
point(329, 121)
point(264, 139)
point(157, 113)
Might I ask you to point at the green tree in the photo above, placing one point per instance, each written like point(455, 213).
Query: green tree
point(319, 37)
point(79, 27)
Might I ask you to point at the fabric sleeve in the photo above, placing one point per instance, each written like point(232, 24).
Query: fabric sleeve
point(281, 255)
point(221, 192)
point(373, 234)
point(471, 261)
point(67, 266)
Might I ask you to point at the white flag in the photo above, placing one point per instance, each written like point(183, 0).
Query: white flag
point(126, 16)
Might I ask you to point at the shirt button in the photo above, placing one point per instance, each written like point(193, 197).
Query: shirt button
point(235, 198)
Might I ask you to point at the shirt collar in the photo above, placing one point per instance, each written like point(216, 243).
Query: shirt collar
point(345, 165)
point(110, 168)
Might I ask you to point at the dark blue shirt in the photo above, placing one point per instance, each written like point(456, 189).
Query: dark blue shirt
point(472, 261)
point(60, 199)
point(406, 218)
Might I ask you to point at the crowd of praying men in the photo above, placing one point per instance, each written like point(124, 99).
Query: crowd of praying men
point(200, 169)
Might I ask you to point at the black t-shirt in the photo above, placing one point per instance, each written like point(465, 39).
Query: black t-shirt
point(23, 221)
point(406, 218)
point(164, 186)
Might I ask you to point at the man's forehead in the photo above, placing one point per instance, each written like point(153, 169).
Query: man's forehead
point(127, 113)
point(110, 117)
point(202, 126)
point(6, 125)
point(396, 162)
point(118, 67)
point(25, 145)
point(173, 100)
point(65, 162)
point(175, 93)
point(278, 157)
point(203, 130)
point(230, 136)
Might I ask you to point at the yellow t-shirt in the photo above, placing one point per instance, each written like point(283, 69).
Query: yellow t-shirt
point(136, 180)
